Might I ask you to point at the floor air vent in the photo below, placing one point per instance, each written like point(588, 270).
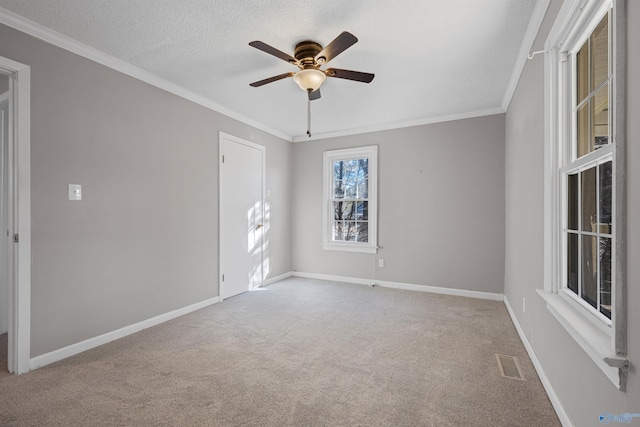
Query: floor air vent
point(509, 367)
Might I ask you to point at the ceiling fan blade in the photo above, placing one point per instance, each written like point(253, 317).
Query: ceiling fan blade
point(273, 51)
point(271, 79)
point(314, 95)
point(337, 46)
point(357, 76)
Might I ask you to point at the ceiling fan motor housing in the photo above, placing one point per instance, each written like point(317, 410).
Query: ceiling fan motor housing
point(306, 51)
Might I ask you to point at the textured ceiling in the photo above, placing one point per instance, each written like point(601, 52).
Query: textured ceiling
point(432, 58)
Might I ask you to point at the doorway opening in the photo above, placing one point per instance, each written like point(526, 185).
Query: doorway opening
point(4, 225)
point(15, 218)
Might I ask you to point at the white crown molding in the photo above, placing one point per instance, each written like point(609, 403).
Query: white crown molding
point(399, 125)
point(527, 43)
point(57, 39)
point(53, 37)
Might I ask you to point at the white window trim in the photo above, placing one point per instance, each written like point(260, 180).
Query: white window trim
point(606, 345)
point(590, 160)
point(370, 152)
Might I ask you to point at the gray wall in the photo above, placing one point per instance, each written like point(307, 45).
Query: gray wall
point(441, 206)
point(144, 239)
point(581, 387)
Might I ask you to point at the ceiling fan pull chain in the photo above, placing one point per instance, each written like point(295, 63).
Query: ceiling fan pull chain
point(309, 117)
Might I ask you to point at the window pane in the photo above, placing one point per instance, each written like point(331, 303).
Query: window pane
point(350, 178)
point(349, 229)
point(349, 210)
point(363, 189)
point(338, 169)
point(600, 118)
point(599, 41)
point(344, 210)
point(352, 167)
point(363, 178)
point(337, 230)
point(338, 177)
point(363, 232)
point(606, 193)
point(590, 270)
point(605, 276)
point(582, 72)
point(362, 211)
point(572, 262)
point(572, 201)
point(344, 177)
point(344, 231)
point(350, 188)
point(585, 145)
point(338, 189)
point(337, 210)
point(588, 193)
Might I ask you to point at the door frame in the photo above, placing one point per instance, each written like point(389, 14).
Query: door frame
point(4, 210)
point(262, 149)
point(19, 218)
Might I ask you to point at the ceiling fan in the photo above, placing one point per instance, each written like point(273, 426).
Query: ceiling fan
point(309, 56)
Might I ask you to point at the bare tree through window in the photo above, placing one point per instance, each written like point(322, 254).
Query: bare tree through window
point(350, 200)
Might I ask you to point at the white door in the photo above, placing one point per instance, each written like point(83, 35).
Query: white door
point(4, 214)
point(241, 215)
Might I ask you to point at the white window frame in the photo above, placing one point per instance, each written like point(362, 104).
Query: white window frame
point(329, 157)
point(603, 341)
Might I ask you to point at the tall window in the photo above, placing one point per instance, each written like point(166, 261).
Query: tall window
point(350, 199)
point(584, 246)
point(588, 176)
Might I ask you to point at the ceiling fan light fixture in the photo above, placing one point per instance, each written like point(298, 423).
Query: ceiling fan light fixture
point(309, 79)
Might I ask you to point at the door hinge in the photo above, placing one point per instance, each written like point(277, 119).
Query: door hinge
point(16, 238)
point(223, 277)
point(223, 158)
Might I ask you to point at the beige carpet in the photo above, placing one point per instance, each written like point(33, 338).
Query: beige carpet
point(298, 353)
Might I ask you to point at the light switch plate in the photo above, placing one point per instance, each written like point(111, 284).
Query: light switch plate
point(75, 192)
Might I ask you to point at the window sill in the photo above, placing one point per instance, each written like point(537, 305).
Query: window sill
point(593, 340)
point(350, 248)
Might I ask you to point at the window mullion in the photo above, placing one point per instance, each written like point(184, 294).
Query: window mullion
point(569, 110)
point(598, 241)
point(579, 233)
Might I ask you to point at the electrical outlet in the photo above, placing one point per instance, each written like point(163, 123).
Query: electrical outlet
point(381, 263)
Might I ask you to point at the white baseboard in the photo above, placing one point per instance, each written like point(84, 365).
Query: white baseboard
point(405, 286)
point(73, 349)
point(275, 279)
point(557, 405)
